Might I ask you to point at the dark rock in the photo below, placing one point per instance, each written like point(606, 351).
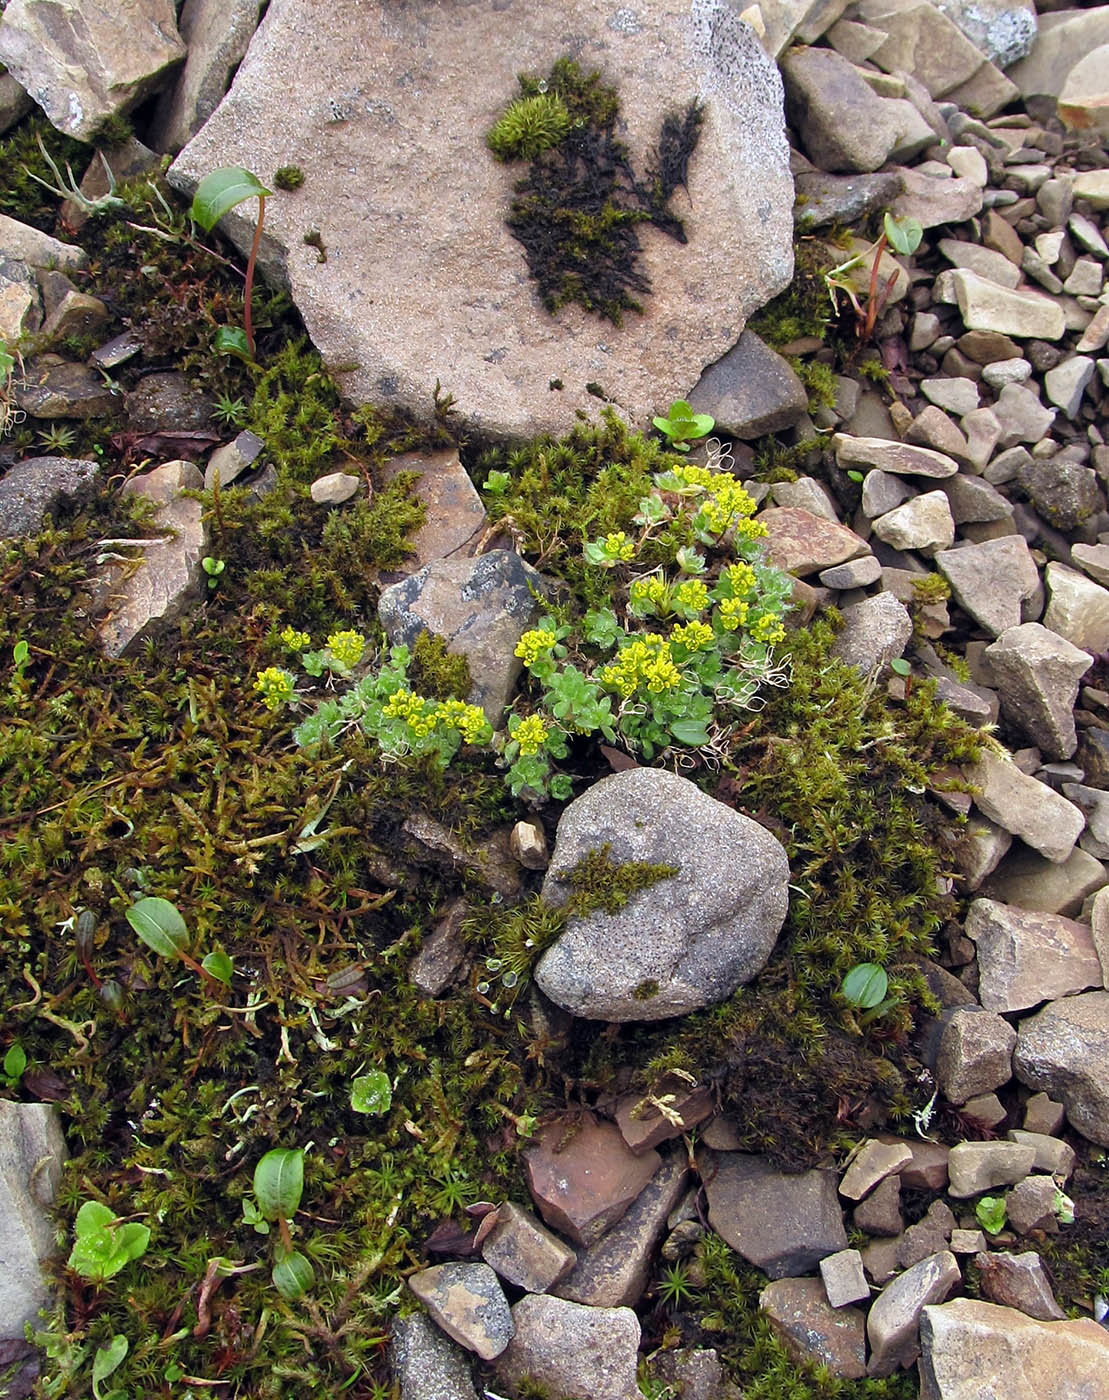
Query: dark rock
point(750, 391)
point(33, 487)
point(53, 388)
point(812, 1331)
point(167, 402)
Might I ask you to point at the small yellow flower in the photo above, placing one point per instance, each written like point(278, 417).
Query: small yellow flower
point(346, 648)
point(694, 636)
point(619, 546)
point(692, 596)
point(768, 629)
point(276, 686)
point(733, 613)
point(294, 640)
point(469, 720)
point(650, 594)
point(534, 644)
point(740, 578)
point(531, 735)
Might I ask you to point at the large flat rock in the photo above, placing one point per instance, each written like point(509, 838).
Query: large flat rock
point(423, 280)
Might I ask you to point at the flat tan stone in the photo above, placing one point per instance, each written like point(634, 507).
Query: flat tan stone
point(802, 543)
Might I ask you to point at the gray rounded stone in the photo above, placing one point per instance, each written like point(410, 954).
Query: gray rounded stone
point(686, 941)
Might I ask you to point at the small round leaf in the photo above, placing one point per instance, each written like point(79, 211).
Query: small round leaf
point(221, 190)
point(865, 985)
point(293, 1275)
point(160, 926)
point(371, 1093)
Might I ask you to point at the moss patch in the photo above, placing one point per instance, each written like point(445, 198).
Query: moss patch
point(578, 210)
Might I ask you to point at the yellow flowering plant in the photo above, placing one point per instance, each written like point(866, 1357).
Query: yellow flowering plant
point(670, 663)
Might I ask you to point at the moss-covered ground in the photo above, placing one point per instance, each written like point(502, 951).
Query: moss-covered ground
point(163, 774)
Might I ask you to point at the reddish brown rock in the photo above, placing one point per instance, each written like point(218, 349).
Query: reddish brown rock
point(811, 1330)
point(802, 543)
point(583, 1176)
point(455, 515)
point(643, 1124)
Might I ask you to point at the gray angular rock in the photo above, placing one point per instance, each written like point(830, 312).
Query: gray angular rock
point(899, 458)
point(1063, 1050)
point(1034, 882)
point(1026, 957)
point(843, 124)
point(991, 580)
point(1037, 674)
point(1025, 807)
point(801, 543)
point(525, 1252)
point(923, 524)
point(783, 1223)
point(875, 1160)
point(32, 1154)
point(55, 388)
point(892, 1324)
point(875, 632)
point(467, 1302)
point(976, 1053)
point(84, 62)
point(824, 199)
point(1065, 493)
point(33, 487)
point(684, 942)
point(751, 391)
point(986, 306)
point(480, 607)
point(168, 578)
point(1003, 30)
point(216, 34)
point(969, 1348)
point(921, 40)
point(1053, 1155)
point(412, 106)
point(572, 1350)
point(1030, 1206)
point(974, 1167)
point(1077, 607)
point(426, 1364)
point(334, 488)
point(454, 515)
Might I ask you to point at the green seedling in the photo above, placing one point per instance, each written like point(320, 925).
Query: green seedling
point(681, 425)
point(104, 1243)
point(107, 1360)
point(865, 987)
point(213, 568)
point(990, 1214)
point(903, 235)
point(161, 927)
point(278, 1185)
point(496, 483)
point(219, 192)
point(15, 1062)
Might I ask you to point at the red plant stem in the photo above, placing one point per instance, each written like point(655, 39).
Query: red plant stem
point(249, 285)
point(871, 303)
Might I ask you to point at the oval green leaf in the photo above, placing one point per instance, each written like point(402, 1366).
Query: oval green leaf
point(371, 1093)
point(15, 1061)
point(865, 985)
point(160, 926)
point(293, 1275)
point(107, 1360)
point(904, 234)
point(222, 190)
point(899, 666)
point(218, 965)
point(231, 340)
point(278, 1182)
point(690, 731)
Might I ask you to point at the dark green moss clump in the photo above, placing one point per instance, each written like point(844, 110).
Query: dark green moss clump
point(288, 177)
point(578, 210)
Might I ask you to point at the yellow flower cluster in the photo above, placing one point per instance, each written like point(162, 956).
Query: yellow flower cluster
point(726, 503)
point(413, 709)
point(733, 613)
point(294, 640)
point(768, 629)
point(275, 685)
point(531, 735)
point(750, 530)
point(618, 546)
point(694, 636)
point(534, 644)
point(651, 591)
point(346, 648)
point(689, 474)
point(469, 720)
point(692, 596)
point(645, 662)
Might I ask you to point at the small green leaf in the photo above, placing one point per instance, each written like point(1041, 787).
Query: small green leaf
point(107, 1360)
point(20, 653)
point(903, 234)
point(865, 985)
point(855, 476)
point(371, 1093)
point(690, 731)
point(160, 926)
point(231, 340)
point(990, 1214)
point(293, 1275)
point(278, 1182)
point(222, 190)
point(218, 965)
point(900, 666)
point(15, 1061)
